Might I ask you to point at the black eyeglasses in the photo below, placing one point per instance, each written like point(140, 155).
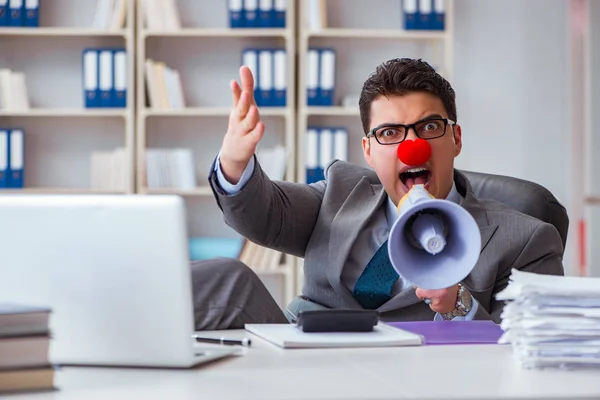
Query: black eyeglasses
point(431, 128)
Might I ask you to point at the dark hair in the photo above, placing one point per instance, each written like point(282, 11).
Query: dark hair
point(401, 76)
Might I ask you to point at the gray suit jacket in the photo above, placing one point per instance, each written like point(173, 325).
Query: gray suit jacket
point(320, 222)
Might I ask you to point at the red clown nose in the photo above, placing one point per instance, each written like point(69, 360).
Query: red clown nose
point(414, 152)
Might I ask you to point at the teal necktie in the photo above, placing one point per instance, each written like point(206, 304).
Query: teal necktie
point(374, 286)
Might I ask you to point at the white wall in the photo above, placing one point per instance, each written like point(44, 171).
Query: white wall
point(511, 80)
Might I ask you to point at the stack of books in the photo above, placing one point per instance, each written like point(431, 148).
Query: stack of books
point(161, 15)
point(109, 170)
point(110, 15)
point(552, 321)
point(13, 91)
point(164, 87)
point(24, 349)
point(170, 168)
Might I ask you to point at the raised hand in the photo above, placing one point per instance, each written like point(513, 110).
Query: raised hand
point(245, 128)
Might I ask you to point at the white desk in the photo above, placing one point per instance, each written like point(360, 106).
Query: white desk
point(268, 372)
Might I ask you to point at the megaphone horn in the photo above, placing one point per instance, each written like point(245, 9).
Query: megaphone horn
point(434, 243)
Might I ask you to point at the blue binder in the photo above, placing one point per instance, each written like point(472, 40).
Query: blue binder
point(106, 82)
point(236, 16)
point(90, 74)
point(3, 12)
point(251, 13)
point(312, 77)
point(4, 158)
point(439, 15)
point(15, 17)
point(279, 14)
point(16, 158)
point(411, 14)
point(265, 13)
point(119, 92)
point(279, 78)
point(425, 20)
point(31, 13)
point(250, 59)
point(313, 174)
point(326, 77)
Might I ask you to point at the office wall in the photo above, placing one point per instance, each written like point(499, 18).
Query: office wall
point(511, 79)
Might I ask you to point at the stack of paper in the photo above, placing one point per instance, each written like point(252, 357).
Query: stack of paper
point(552, 321)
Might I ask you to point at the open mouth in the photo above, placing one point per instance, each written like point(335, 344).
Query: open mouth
point(415, 176)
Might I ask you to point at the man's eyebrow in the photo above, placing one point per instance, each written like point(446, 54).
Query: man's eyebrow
point(425, 118)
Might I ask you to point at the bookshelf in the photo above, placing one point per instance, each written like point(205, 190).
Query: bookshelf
point(60, 133)
point(207, 54)
point(360, 45)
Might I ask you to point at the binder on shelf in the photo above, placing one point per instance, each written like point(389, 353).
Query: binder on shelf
point(279, 13)
point(90, 78)
point(119, 95)
point(410, 12)
point(425, 21)
point(251, 13)
point(439, 15)
point(106, 73)
point(312, 78)
point(340, 144)
point(265, 79)
point(266, 13)
point(250, 59)
point(31, 13)
point(327, 77)
point(279, 78)
point(3, 12)
point(325, 150)
point(312, 155)
point(16, 158)
point(236, 16)
point(3, 158)
point(15, 17)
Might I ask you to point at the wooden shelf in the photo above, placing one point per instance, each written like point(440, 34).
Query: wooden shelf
point(219, 32)
point(333, 111)
point(61, 31)
point(593, 200)
point(199, 191)
point(59, 191)
point(66, 112)
point(212, 112)
point(377, 34)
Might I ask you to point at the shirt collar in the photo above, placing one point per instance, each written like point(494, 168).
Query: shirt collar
point(391, 210)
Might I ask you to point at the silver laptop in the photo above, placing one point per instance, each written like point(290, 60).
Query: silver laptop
point(115, 271)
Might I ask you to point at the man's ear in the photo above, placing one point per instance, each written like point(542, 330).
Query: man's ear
point(367, 150)
point(457, 140)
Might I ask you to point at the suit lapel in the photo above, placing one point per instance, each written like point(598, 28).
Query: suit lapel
point(359, 207)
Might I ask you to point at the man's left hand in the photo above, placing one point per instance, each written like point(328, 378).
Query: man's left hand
point(442, 301)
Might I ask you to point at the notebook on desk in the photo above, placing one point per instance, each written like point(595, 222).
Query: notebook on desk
point(288, 336)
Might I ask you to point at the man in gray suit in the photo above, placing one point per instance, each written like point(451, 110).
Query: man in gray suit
point(340, 225)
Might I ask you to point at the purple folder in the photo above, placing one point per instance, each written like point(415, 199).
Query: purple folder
point(453, 332)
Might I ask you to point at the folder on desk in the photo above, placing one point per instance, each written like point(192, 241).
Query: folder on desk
point(289, 336)
point(15, 17)
point(31, 13)
point(453, 332)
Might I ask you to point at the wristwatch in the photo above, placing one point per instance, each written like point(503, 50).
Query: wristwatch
point(464, 302)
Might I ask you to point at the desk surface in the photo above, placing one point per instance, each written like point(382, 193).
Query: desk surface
point(268, 372)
